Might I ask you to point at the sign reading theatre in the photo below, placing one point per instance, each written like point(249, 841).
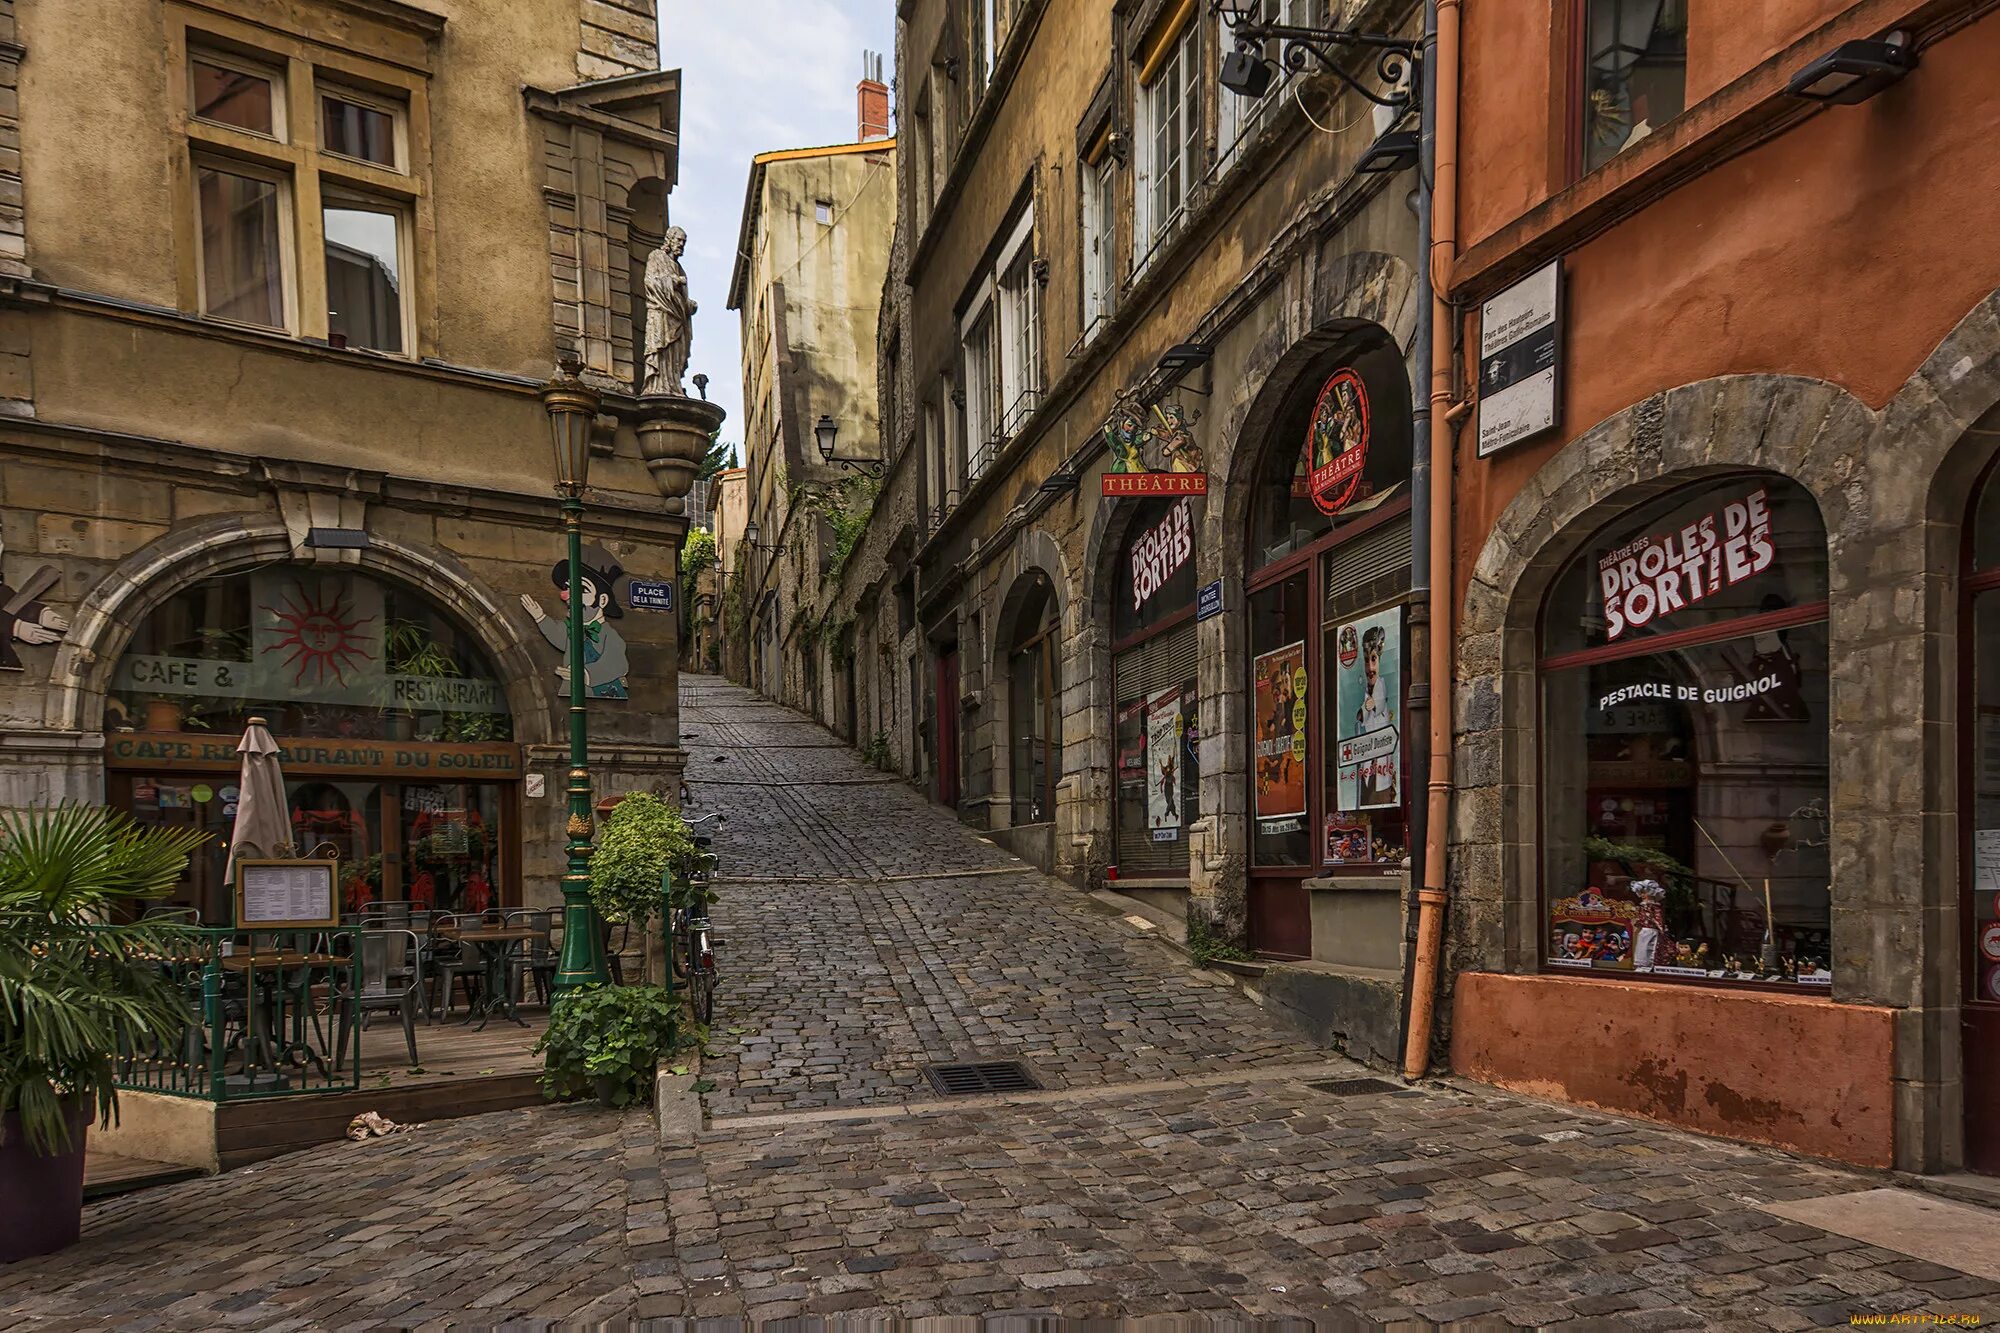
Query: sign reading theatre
point(1153, 457)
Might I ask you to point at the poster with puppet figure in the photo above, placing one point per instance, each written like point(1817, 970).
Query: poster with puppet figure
point(1164, 772)
point(1369, 733)
point(1281, 733)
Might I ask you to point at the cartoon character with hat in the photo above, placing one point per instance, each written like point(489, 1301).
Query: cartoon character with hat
point(604, 663)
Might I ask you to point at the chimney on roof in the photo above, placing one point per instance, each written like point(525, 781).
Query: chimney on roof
point(871, 98)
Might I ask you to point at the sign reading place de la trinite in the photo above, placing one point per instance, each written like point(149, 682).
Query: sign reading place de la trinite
point(1153, 456)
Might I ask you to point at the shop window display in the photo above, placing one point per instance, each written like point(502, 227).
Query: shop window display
point(1684, 723)
point(377, 696)
point(1154, 684)
point(328, 654)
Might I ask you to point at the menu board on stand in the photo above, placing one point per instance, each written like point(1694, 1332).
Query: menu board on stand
point(287, 895)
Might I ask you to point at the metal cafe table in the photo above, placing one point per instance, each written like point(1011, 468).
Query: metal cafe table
point(496, 945)
point(268, 1050)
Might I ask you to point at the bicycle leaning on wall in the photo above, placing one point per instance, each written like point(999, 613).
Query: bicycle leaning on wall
point(690, 940)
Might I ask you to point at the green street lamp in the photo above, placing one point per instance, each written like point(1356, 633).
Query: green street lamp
point(572, 408)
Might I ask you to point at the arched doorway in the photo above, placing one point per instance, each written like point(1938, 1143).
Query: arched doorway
point(1328, 577)
point(1155, 694)
point(397, 733)
point(1034, 734)
point(1979, 823)
point(1685, 709)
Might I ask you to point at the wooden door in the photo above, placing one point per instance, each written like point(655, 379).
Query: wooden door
point(945, 784)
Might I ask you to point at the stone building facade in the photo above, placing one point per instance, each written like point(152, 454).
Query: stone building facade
point(270, 433)
point(1079, 203)
point(1723, 850)
point(818, 224)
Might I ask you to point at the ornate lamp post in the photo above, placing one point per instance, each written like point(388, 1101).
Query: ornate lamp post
point(572, 407)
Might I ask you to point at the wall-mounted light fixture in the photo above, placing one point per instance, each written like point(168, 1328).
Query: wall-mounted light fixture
point(826, 434)
point(1249, 72)
point(1392, 152)
point(1855, 71)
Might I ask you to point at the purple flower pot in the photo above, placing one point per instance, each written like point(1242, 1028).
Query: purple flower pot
point(41, 1198)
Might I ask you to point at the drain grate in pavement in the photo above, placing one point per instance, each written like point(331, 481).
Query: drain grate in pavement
point(973, 1079)
point(1354, 1087)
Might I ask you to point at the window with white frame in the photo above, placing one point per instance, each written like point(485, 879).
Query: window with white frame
point(1169, 138)
point(981, 386)
point(1099, 241)
point(259, 252)
point(364, 273)
point(934, 460)
point(1020, 342)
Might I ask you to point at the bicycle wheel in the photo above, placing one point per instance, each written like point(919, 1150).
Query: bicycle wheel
point(701, 994)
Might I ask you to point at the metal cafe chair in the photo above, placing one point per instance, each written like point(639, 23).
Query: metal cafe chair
point(538, 960)
point(450, 960)
point(392, 977)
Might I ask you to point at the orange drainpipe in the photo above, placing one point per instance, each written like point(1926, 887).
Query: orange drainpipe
point(1431, 897)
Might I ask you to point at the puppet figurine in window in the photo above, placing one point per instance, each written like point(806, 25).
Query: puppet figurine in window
point(604, 662)
point(1649, 922)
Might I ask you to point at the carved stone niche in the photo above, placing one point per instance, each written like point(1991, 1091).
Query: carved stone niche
point(674, 433)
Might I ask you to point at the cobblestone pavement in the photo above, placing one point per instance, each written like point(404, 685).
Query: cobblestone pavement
point(866, 933)
point(519, 1214)
point(1187, 1157)
point(1255, 1197)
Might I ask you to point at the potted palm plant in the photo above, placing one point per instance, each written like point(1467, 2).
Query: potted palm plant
point(77, 986)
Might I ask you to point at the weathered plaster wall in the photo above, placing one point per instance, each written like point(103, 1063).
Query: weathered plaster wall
point(1722, 1063)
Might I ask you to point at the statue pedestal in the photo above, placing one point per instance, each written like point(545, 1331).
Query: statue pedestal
point(674, 434)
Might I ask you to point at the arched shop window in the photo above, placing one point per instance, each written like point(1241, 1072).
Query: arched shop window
point(1031, 703)
point(1330, 572)
point(385, 707)
point(1684, 725)
point(1153, 670)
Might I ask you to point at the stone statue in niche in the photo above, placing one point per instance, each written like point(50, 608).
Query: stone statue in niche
point(669, 318)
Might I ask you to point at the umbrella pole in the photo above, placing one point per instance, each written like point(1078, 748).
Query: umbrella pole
point(582, 960)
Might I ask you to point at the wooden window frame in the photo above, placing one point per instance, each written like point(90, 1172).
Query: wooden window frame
point(338, 197)
point(395, 109)
point(208, 53)
point(288, 260)
point(307, 66)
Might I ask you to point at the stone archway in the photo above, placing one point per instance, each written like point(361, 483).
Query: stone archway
point(1891, 486)
point(104, 622)
point(1034, 563)
point(1335, 300)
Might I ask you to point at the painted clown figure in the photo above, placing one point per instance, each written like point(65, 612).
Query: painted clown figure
point(604, 662)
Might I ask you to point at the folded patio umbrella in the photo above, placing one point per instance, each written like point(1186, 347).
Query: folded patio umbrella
point(263, 822)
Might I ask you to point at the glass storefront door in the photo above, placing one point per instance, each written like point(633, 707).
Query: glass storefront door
point(439, 845)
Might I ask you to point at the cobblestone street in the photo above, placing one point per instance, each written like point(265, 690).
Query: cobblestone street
point(1187, 1154)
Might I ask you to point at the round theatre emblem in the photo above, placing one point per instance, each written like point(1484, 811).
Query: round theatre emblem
point(1337, 441)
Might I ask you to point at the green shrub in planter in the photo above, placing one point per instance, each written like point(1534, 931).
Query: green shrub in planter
point(605, 1041)
point(642, 837)
point(76, 985)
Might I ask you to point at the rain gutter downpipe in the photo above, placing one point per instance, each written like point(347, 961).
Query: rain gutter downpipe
point(1440, 160)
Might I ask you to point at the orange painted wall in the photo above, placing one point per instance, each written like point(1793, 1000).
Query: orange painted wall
point(1513, 92)
point(1727, 38)
point(1844, 249)
point(1742, 1065)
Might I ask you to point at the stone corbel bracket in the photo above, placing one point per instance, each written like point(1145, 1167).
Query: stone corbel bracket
point(311, 496)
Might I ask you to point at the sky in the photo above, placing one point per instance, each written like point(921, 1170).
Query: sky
point(755, 75)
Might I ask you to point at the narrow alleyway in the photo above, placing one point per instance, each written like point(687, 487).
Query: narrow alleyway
point(1185, 1153)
